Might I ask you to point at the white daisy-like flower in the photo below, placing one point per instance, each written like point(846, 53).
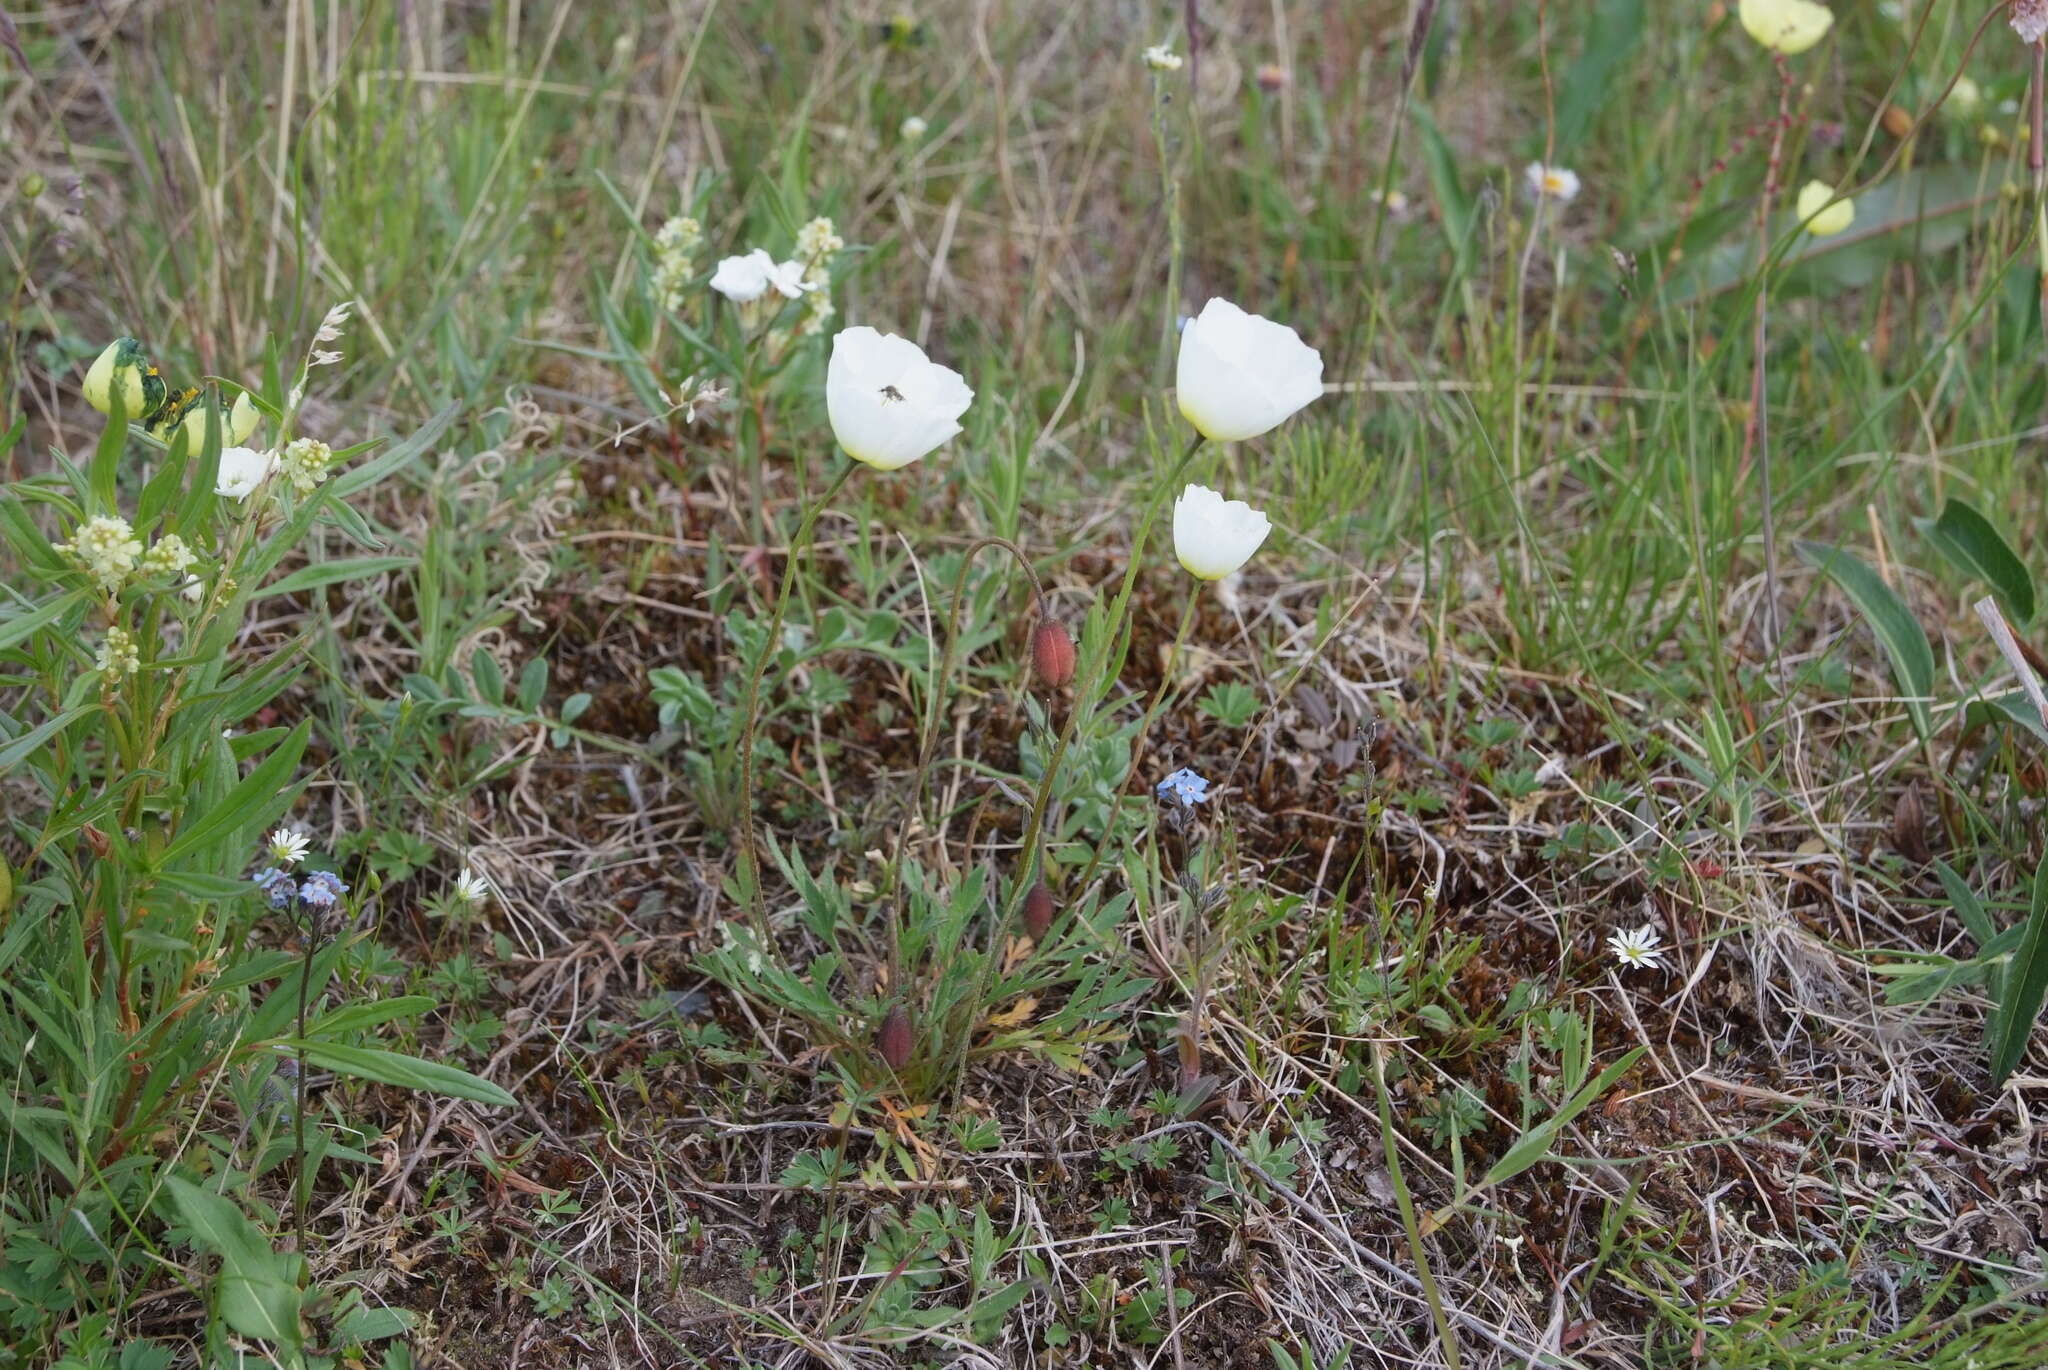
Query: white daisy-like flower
point(1639, 947)
point(288, 847)
point(913, 128)
point(1553, 182)
point(1163, 58)
point(471, 888)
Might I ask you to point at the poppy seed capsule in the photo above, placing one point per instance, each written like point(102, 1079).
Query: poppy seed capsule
point(894, 1038)
point(1038, 911)
point(1052, 653)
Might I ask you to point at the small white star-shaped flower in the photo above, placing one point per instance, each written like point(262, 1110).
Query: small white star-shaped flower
point(1637, 948)
point(471, 888)
point(288, 848)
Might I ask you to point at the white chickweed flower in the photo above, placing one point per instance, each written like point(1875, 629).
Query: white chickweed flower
point(888, 402)
point(1241, 375)
point(1213, 536)
point(242, 469)
point(287, 847)
point(118, 655)
point(106, 548)
point(1638, 947)
point(471, 888)
point(1163, 58)
point(1552, 182)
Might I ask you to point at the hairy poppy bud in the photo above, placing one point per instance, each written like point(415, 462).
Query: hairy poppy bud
point(894, 1039)
point(1038, 911)
point(1052, 653)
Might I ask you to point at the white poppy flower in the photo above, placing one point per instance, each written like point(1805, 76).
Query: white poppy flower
point(1241, 375)
point(748, 278)
point(1786, 26)
point(1213, 536)
point(1819, 217)
point(1553, 182)
point(743, 278)
point(241, 471)
point(889, 403)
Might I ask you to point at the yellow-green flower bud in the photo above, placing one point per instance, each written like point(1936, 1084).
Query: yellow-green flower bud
point(123, 358)
point(237, 424)
point(32, 186)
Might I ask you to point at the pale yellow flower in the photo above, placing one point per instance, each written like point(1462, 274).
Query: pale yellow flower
point(1820, 217)
point(1786, 26)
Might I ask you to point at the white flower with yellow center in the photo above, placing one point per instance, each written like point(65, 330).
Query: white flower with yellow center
point(1638, 948)
point(1821, 213)
point(888, 402)
point(288, 847)
point(1213, 536)
point(471, 888)
point(1786, 26)
point(1241, 375)
point(1552, 182)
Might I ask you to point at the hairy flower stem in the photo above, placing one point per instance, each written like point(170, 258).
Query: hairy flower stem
point(1117, 623)
point(1169, 191)
point(929, 740)
point(750, 861)
point(1757, 436)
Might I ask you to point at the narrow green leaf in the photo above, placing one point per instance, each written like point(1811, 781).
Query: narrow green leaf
point(21, 748)
point(1535, 1143)
point(1613, 30)
point(1974, 547)
point(1903, 639)
point(262, 791)
point(391, 1068)
point(1968, 907)
point(360, 1017)
point(2025, 985)
point(2013, 708)
point(13, 630)
point(328, 572)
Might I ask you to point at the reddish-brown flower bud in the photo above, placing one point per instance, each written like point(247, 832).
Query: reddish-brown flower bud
point(894, 1039)
point(1052, 653)
point(1038, 911)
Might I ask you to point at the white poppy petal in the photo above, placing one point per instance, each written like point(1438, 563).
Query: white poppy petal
point(1240, 375)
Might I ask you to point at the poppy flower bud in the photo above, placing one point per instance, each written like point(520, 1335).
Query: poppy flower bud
point(1038, 911)
point(1052, 653)
point(894, 1039)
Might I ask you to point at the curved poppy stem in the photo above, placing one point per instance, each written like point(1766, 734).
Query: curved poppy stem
point(928, 741)
point(750, 861)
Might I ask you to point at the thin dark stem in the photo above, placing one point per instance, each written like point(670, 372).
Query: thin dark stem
point(1758, 439)
point(750, 861)
point(299, 1105)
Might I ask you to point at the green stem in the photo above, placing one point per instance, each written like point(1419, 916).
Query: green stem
point(929, 738)
point(1423, 1273)
point(750, 862)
